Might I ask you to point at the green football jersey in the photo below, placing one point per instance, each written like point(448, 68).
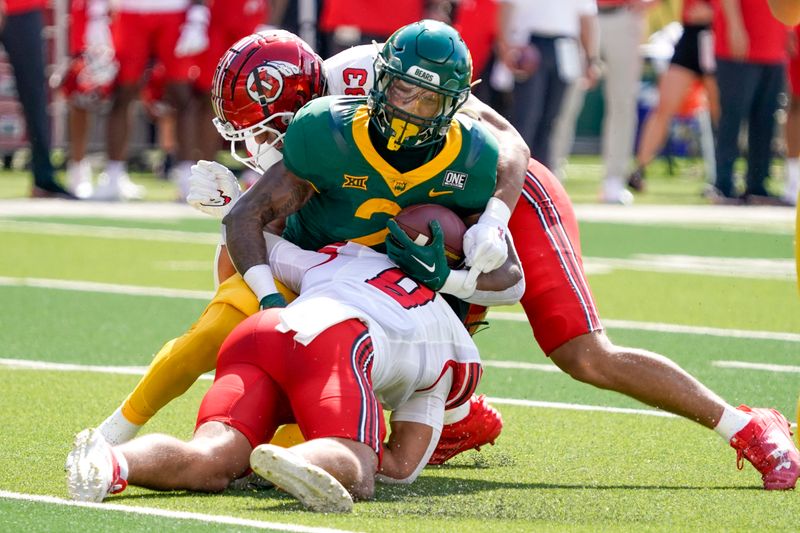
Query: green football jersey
point(357, 191)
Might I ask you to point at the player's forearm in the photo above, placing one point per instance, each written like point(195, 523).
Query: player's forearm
point(513, 156)
point(276, 195)
point(507, 276)
point(406, 452)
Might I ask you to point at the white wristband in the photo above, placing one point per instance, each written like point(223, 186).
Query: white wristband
point(259, 279)
point(497, 211)
point(456, 284)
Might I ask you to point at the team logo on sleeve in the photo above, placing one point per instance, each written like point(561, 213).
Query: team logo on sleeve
point(265, 82)
point(355, 182)
point(454, 179)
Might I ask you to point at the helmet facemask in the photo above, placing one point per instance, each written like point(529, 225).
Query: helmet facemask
point(422, 77)
point(260, 156)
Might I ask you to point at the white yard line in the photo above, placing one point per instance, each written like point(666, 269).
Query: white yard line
point(671, 328)
point(107, 232)
point(109, 288)
point(757, 366)
point(743, 218)
point(25, 364)
point(579, 407)
point(164, 513)
point(136, 290)
point(729, 267)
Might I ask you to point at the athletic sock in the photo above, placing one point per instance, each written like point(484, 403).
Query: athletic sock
point(792, 179)
point(457, 414)
point(117, 429)
point(731, 422)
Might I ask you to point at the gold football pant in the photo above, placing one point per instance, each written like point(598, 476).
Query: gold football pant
point(181, 361)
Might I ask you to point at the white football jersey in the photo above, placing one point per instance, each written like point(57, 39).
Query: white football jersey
point(416, 335)
point(351, 72)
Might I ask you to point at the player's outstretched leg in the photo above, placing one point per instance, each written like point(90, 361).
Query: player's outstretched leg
point(481, 425)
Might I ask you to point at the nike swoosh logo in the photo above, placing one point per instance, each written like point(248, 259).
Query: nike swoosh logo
point(434, 193)
point(426, 266)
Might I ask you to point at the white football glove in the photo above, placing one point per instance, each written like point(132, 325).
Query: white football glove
point(485, 246)
point(213, 189)
point(194, 32)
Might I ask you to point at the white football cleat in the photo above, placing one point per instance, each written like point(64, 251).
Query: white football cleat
point(316, 489)
point(92, 469)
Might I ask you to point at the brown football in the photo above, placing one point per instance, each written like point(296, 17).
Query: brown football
point(415, 220)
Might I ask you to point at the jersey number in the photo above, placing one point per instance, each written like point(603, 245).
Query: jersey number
point(388, 281)
point(354, 80)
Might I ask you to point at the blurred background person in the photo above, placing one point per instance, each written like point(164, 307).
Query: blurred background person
point(21, 25)
point(230, 20)
point(173, 32)
point(622, 28)
point(751, 53)
point(563, 136)
point(692, 62)
point(86, 82)
point(792, 164)
point(553, 30)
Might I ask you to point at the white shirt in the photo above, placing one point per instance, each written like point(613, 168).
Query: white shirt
point(352, 71)
point(551, 18)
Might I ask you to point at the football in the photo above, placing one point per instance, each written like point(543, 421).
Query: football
point(415, 220)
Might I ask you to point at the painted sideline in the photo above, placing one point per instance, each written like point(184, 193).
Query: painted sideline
point(135, 290)
point(25, 364)
point(179, 515)
point(743, 217)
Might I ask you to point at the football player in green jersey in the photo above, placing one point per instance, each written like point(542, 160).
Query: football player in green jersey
point(351, 163)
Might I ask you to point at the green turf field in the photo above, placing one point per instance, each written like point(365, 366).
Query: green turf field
point(99, 295)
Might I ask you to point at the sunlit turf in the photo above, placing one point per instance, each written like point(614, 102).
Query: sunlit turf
point(551, 469)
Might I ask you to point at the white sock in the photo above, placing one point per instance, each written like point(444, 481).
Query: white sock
point(451, 416)
point(731, 422)
point(116, 429)
point(122, 462)
point(114, 171)
point(792, 179)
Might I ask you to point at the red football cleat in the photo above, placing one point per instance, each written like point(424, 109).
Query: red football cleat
point(767, 443)
point(481, 426)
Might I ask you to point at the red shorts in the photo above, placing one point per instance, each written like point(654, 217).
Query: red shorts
point(230, 21)
point(794, 69)
point(557, 299)
point(77, 26)
point(265, 378)
point(140, 37)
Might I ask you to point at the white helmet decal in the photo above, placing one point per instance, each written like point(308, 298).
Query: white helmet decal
point(265, 82)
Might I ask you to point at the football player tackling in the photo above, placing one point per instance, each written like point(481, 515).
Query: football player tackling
point(258, 86)
point(362, 336)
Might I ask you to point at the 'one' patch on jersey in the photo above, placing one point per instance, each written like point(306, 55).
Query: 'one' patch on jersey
point(455, 179)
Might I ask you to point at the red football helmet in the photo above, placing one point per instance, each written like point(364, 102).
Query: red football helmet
point(89, 77)
point(259, 84)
